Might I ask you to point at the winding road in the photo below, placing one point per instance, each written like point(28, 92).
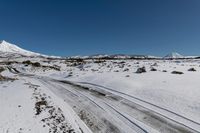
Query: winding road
point(105, 110)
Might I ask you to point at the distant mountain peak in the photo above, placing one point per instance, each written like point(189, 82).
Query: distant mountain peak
point(7, 47)
point(174, 55)
point(2, 41)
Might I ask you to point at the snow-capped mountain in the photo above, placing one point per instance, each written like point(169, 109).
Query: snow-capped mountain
point(6, 47)
point(9, 49)
point(174, 55)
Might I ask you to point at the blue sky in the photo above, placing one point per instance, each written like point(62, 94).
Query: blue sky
point(86, 27)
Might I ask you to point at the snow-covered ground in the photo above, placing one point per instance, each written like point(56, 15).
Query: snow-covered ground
point(100, 94)
point(45, 95)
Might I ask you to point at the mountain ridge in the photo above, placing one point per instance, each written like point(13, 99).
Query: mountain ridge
point(174, 55)
point(12, 48)
point(6, 47)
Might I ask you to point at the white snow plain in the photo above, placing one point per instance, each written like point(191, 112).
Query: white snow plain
point(96, 95)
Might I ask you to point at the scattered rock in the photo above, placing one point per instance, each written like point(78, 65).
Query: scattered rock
point(177, 72)
point(192, 70)
point(28, 62)
point(141, 70)
point(2, 69)
point(153, 69)
point(38, 106)
point(126, 69)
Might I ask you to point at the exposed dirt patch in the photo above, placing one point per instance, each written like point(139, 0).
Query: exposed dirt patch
point(51, 115)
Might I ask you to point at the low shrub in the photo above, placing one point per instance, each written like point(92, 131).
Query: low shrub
point(36, 64)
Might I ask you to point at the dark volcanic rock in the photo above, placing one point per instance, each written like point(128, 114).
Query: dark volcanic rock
point(192, 70)
point(141, 70)
point(177, 72)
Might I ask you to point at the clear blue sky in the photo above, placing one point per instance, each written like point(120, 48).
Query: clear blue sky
point(85, 27)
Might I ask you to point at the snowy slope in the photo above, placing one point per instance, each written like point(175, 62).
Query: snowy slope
point(8, 49)
point(173, 55)
point(11, 48)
